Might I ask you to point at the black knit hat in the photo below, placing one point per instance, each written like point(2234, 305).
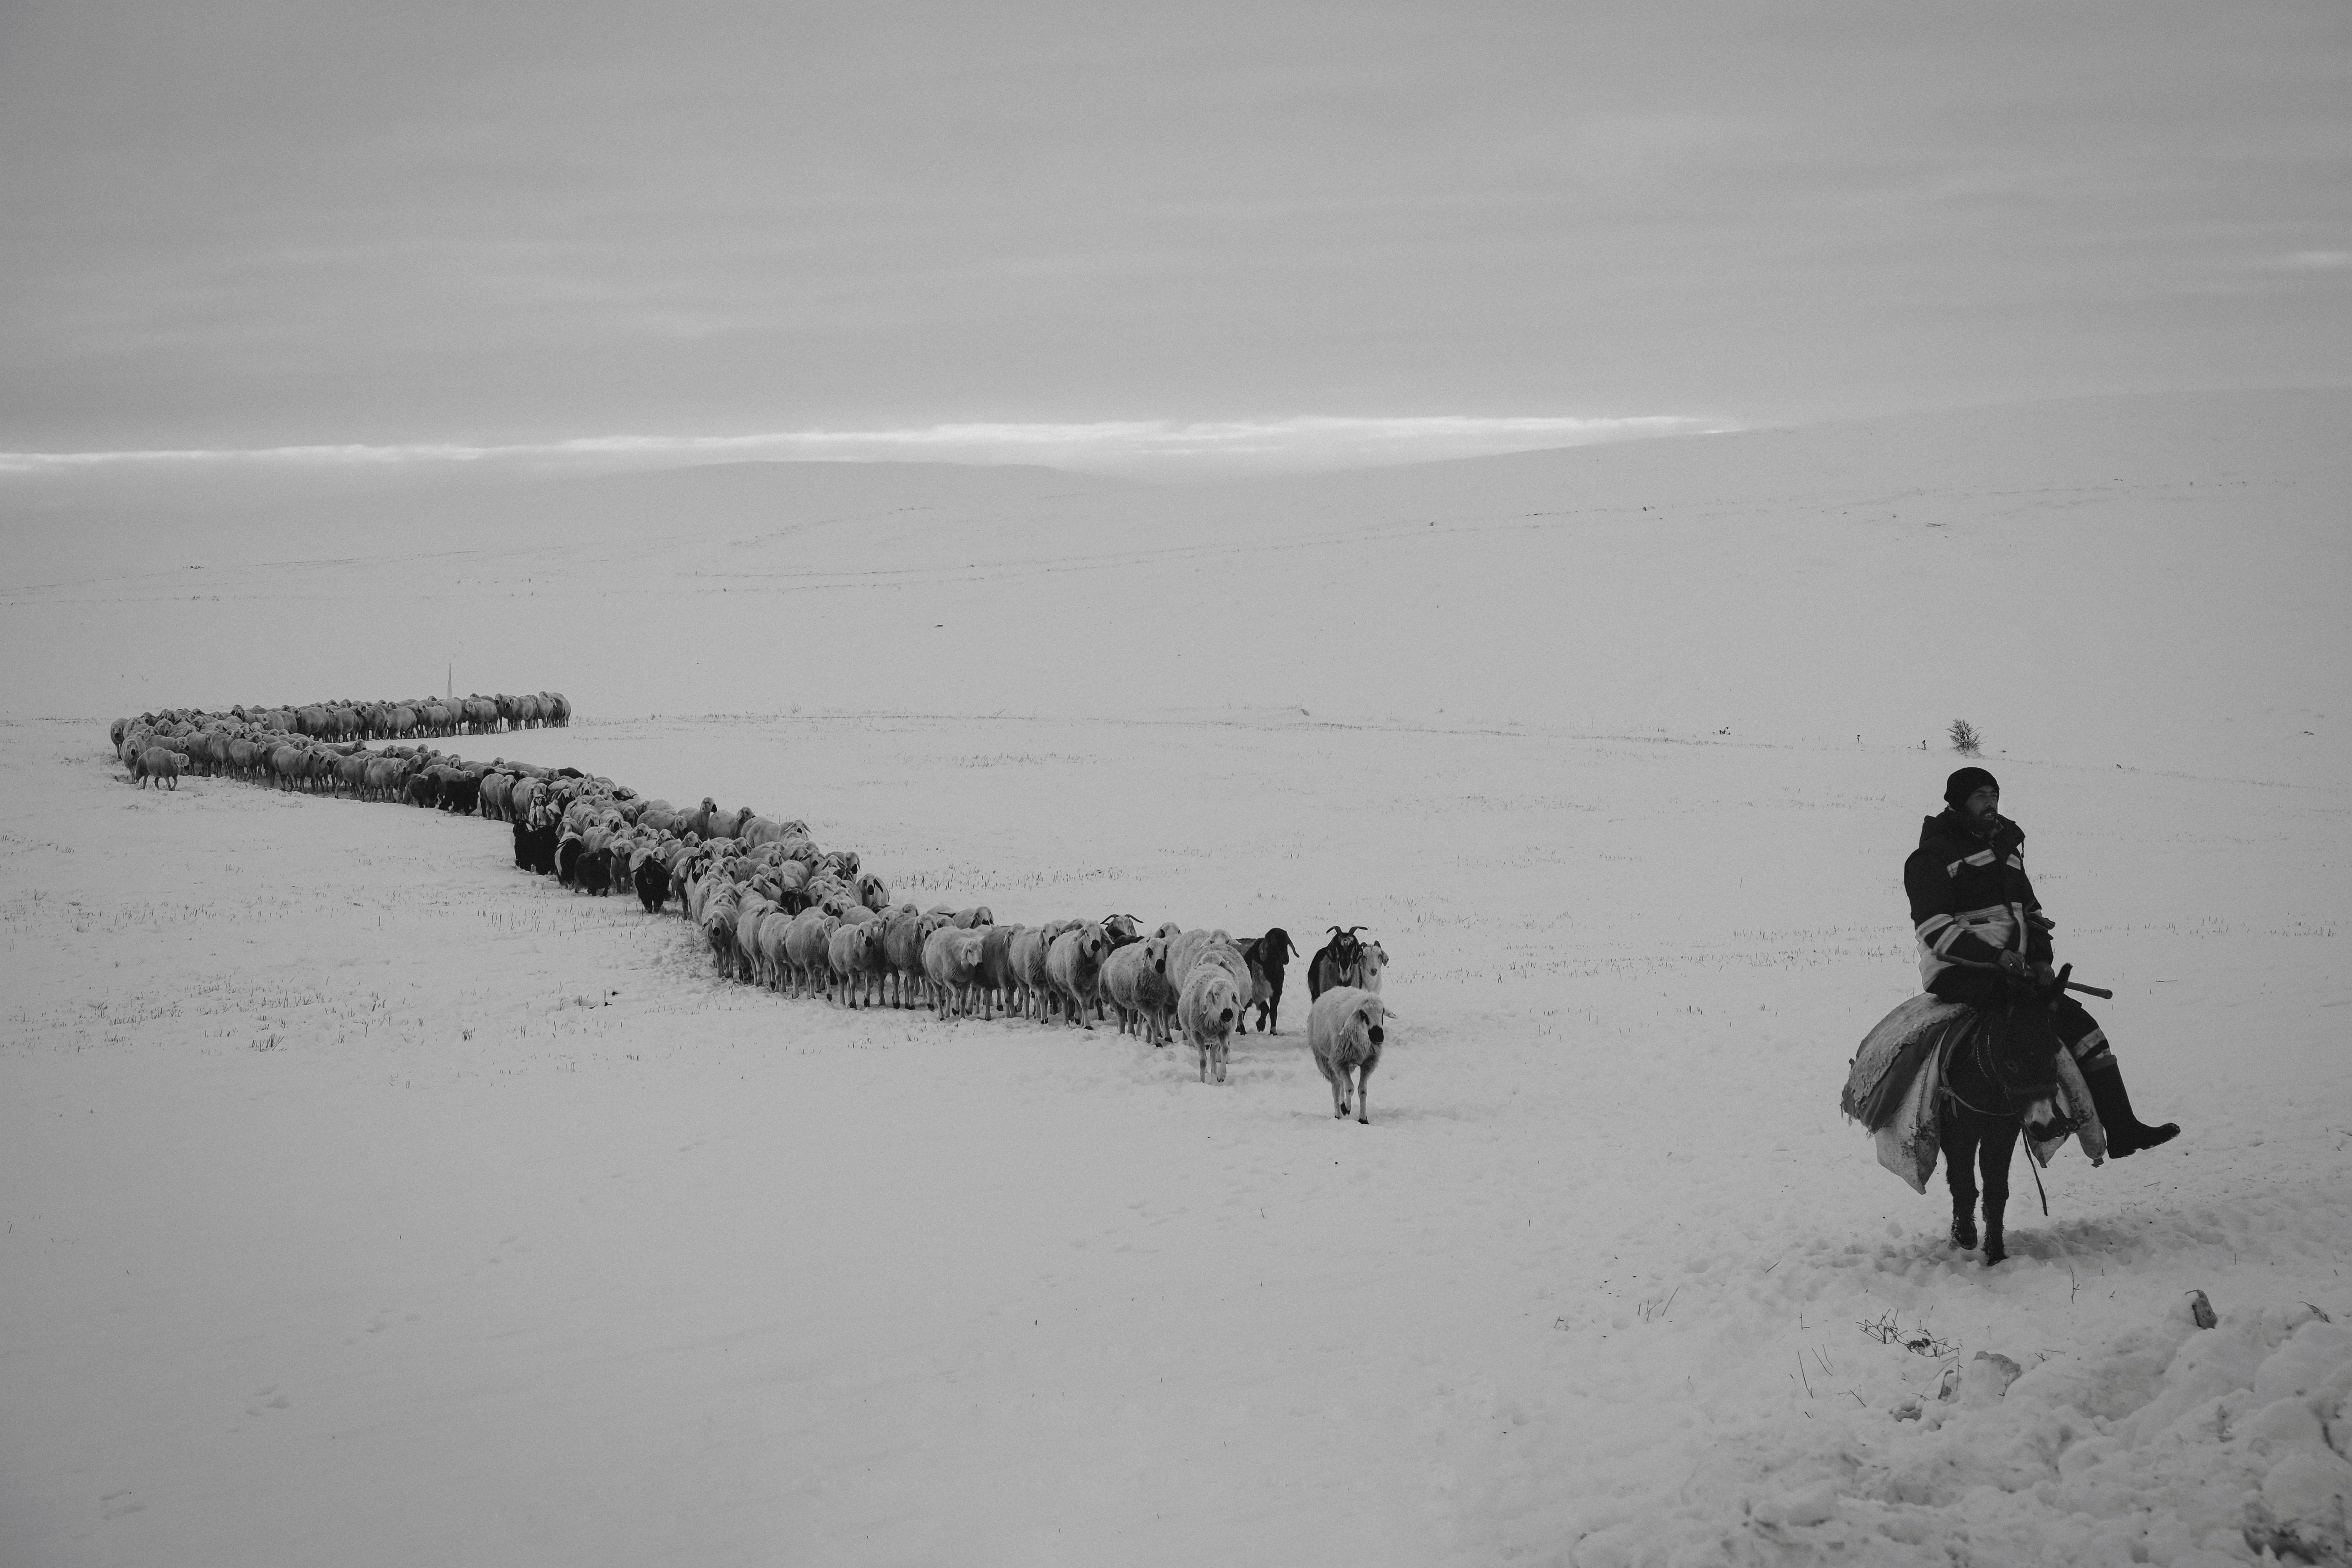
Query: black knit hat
point(1966, 783)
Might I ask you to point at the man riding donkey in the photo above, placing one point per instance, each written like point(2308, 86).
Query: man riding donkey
point(1984, 941)
point(1994, 1049)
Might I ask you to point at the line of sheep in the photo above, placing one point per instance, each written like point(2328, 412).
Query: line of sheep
point(308, 748)
point(777, 911)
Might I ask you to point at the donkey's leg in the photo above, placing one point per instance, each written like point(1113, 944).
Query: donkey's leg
point(1958, 1135)
point(2000, 1143)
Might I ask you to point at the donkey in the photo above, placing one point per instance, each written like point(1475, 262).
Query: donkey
point(2000, 1079)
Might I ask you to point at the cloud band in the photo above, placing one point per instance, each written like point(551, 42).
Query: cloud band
point(1313, 440)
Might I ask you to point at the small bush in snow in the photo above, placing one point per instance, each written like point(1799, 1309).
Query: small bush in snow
point(1965, 739)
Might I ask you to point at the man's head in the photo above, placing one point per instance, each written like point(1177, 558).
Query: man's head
point(1974, 791)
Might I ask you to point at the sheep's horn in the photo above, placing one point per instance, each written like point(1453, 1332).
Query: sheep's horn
point(1353, 930)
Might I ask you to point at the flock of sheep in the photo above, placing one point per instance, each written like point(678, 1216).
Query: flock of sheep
point(777, 911)
point(297, 747)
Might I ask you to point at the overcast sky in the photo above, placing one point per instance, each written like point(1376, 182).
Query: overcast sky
point(236, 225)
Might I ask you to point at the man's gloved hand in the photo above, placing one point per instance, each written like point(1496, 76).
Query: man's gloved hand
point(2011, 964)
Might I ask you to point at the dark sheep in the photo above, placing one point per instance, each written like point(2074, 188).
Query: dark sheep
point(652, 879)
point(461, 792)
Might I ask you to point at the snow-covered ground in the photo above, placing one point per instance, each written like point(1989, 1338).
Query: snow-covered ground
point(364, 1200)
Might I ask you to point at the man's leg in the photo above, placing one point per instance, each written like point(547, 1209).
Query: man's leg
point(2127, 1133)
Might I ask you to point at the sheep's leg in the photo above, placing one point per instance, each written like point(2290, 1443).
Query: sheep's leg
point(1340, 1095)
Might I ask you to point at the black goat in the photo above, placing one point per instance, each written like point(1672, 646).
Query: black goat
point(1333, 961)
point(1267, 957)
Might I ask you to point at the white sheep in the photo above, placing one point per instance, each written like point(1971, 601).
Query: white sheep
point(1207, 1011)
point(1135, 983)
point(1195, 948)
point(952, 963)
point(1072, 967)
point(157, 762)
point(1345, 1029)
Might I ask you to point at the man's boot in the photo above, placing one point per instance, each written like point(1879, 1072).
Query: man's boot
point(1963, 1226)
point(2126, 1135)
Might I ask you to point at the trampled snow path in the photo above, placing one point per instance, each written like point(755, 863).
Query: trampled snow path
point(369, 1201)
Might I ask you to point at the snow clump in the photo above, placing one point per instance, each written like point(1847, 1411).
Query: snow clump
point(2176, 1446)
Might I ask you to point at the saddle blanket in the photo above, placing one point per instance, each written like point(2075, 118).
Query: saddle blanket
point(1895, 1083)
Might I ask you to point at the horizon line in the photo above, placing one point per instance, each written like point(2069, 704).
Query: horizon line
point(1311, 439)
